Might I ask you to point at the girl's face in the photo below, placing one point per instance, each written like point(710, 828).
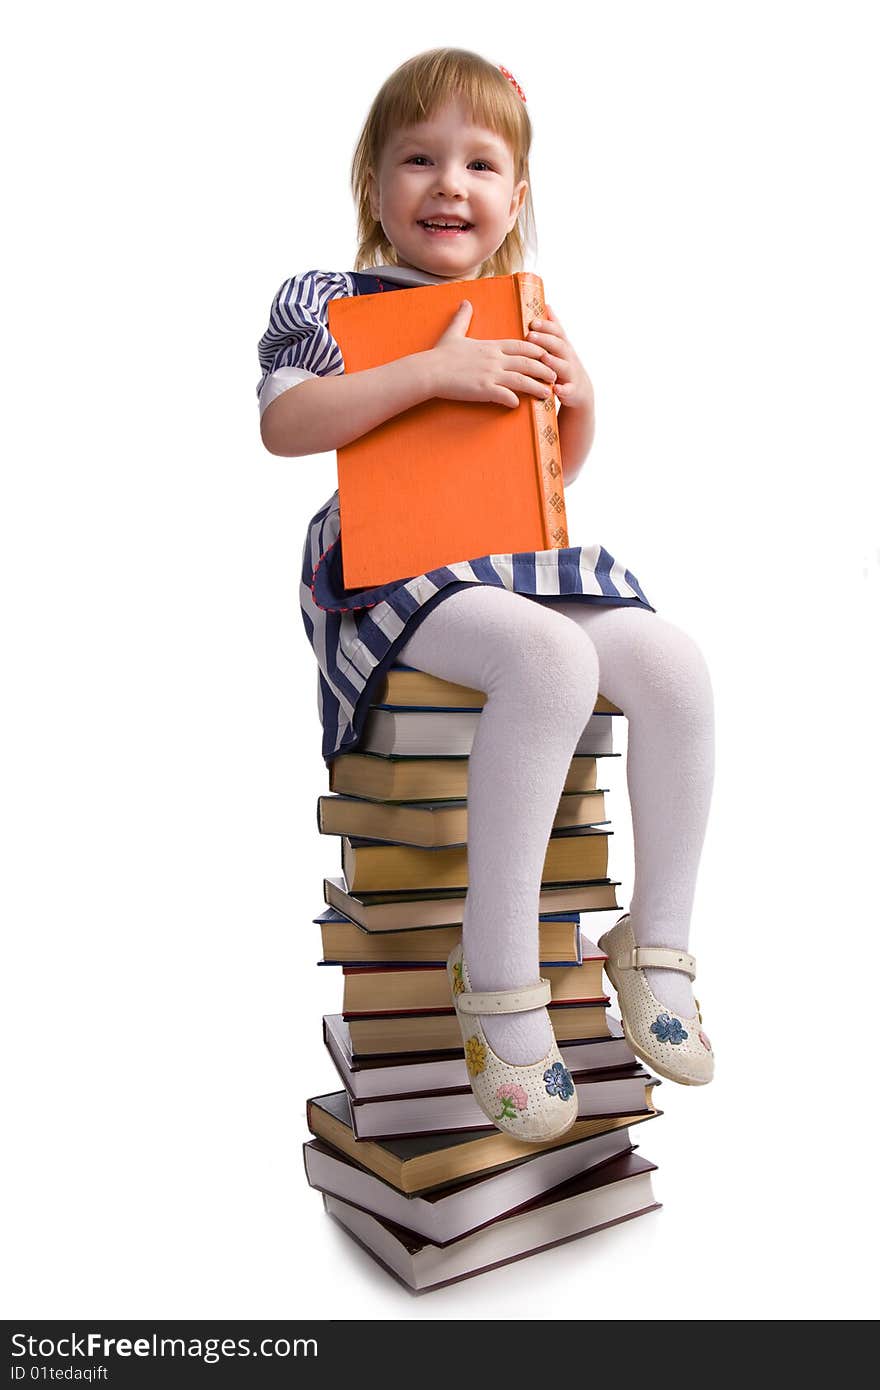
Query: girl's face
point(443, 170)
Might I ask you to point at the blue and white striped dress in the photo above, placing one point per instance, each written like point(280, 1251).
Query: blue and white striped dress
point(356, 634)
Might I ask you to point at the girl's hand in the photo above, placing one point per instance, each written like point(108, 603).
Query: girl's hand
point(476, 369)
point(573, 386)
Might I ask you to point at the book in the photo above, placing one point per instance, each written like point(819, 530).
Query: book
point(446, 1214)
point(407, 686)
point(445, 480)
point(440, 733)
point(410, 911)
point(407, 988)
point(367, 1077)
point(409, 778)
point(592, 1201)
point(371, 865)
point(344, 942)
point(438, 1112)
point(432, 1161)
point(438, 1031)
point(431, 824)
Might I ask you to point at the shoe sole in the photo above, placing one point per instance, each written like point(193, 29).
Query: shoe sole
point(640, 1052)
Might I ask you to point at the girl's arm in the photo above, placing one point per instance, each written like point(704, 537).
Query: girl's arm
point(577, 426)
point(326, 413)
point(331, 411)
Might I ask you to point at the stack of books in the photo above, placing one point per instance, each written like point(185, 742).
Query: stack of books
point(406, 1160)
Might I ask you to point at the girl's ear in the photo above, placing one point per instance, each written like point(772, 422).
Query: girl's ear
point(373, 189)
point(516, 202)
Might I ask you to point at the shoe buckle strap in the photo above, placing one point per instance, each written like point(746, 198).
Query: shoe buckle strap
point(664, 957)
point(504, 1001)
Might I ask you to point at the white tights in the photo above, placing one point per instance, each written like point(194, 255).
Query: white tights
point(541, 667)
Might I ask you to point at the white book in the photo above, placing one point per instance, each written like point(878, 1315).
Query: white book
point(450, 733)
point(396, 1117)
point(367, 1079)
point(615, 1192)
point(446, 1215)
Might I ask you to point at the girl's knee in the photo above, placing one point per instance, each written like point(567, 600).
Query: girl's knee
point(676, 671)
point(559, 666)
point(651, 661)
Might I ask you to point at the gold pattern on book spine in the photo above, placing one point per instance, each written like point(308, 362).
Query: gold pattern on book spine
point(547, 430)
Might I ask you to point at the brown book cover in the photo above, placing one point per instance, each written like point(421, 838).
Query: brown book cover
point(373, 865)
point(426, 908)
point(412, 777)
point(346, 943)
point(431, 825)
point(437, 1030)
point(431, 1162)
point(408, 687)
point(445, 480)
point(397, 987)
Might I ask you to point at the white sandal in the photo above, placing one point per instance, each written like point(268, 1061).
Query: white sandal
point(676, 1048)
point(535, 1102)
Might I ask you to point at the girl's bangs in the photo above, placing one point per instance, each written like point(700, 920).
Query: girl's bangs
point(419, 95)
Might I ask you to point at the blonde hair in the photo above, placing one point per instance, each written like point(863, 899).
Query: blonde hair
point(413, 93)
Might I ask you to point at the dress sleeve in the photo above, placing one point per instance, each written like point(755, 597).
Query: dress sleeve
point(298, 344)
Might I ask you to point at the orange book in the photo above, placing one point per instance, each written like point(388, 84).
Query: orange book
point(445, 480)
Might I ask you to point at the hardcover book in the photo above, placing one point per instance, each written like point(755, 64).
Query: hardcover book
point(345, 942)
point(432, 1161)
point(611, 1093)
point(392, 777)
point(408, 687)
point(446, 1215)
point(365, 1078)
point(444, 907)
point(592, 1201)
point(398, 987)
point(445, 480)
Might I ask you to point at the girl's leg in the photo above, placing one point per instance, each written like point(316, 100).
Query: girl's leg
point(658, 677)
point(540, 676)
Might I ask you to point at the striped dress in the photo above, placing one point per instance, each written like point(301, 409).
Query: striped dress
point(356, 634)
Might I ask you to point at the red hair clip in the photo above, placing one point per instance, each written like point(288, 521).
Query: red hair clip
point(513, 82)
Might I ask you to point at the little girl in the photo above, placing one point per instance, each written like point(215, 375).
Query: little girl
point(440, 178)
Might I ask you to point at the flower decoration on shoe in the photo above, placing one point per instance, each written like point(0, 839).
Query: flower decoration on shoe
point(669, 1030)
point(513, 1098)
point(475, 1056)
point(704, 1040)
point(558, 1081)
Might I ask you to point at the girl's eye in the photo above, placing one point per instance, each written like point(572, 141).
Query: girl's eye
point(414, 157)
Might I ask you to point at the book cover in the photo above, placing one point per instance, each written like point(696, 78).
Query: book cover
point(434, 1161)
point(592, 1201)
point(369, 1077)
point(444, 907)
point(445, 1215)
point(445, 480)
point(611, 1094)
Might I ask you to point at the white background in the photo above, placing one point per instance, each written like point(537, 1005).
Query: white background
point(707, 231)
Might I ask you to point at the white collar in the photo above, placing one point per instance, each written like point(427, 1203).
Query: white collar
point(406, 275)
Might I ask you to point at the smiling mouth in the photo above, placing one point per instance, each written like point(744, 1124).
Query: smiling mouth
point(439, 227)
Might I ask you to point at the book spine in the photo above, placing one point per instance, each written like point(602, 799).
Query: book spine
point(545, 427)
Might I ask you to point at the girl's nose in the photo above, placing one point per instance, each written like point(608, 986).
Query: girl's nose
point(449, 182)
